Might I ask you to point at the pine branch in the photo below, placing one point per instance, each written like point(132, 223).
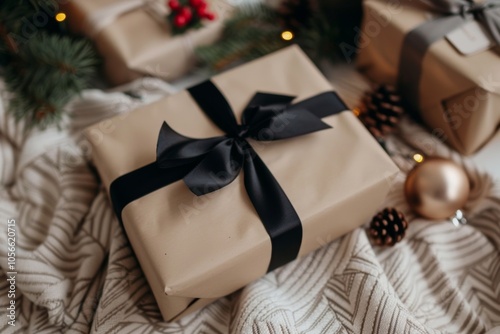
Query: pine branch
point(250, 33)
point(43, 71)
point(15, 13)
point(256, 31)
point(45, 74)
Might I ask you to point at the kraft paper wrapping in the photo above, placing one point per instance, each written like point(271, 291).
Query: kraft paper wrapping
point(206, 247)
point(459, 95)
point(136, 44)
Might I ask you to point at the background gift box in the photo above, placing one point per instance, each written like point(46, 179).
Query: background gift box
point(135, 39)
point(452, 86)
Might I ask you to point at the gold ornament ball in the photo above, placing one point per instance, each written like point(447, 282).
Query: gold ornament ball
point(437, 188)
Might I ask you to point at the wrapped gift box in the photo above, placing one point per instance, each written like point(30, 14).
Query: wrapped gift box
point(135, 40)
point(195, 249)
point(458, 95)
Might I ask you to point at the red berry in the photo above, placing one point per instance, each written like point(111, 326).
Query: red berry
point(180, 21)
point(187, 13)
point(201, 12)
point(202, 5)
point(174, 5)
point(195, 3)
point(210, 16)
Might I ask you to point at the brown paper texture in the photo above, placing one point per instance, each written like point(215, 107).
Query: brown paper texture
point(137, 45)
point(459, 95)
point(207, 247)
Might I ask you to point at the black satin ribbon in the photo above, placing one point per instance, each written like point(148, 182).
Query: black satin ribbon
point(206, 165)
point(417, 42)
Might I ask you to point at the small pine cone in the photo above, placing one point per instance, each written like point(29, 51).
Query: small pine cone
point(388, 227)
point(381, 110)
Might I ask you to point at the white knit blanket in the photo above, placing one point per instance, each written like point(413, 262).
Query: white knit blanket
point(76, 272)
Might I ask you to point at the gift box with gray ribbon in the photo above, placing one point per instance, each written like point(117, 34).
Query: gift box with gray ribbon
point(444, 57)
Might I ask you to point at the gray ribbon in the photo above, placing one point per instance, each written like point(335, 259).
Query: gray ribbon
point(416, 43)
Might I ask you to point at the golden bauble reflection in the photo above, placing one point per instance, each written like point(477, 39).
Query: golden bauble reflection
point(437, 188)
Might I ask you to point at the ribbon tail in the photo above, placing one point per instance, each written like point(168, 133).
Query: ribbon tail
point(288, 124)
point(322, 105)
point(263, 106)
point(280, 219)
point(264, 99)
point(298, 119)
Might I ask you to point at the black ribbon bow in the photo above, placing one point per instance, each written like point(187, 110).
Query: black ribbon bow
point(220, 159)
point(210, 164)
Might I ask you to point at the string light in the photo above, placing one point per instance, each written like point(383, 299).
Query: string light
point(60, 17)
point(287, 35)
point(418, 157)
point(356, 111)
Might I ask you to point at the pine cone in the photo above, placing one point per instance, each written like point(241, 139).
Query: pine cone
point(388, 227)
point(381, 110)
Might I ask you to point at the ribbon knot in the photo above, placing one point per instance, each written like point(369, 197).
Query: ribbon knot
point(243, 131)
